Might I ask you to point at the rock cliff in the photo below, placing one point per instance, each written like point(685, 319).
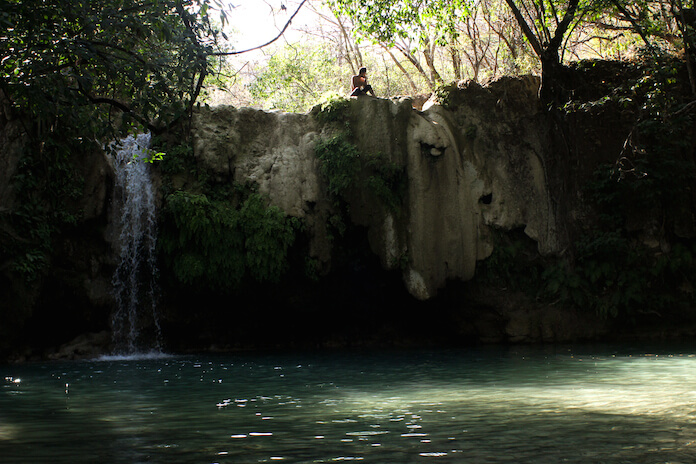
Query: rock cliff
point(472, 165)
point(473, 171)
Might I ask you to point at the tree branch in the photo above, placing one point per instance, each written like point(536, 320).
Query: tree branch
point(533, 41)
point(563, 26)
point(267, 43)
point(98, 43)
point(401, 68)
point(636, 26)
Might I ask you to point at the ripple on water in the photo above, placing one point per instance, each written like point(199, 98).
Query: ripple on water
point(8, 432)
point(544, 410)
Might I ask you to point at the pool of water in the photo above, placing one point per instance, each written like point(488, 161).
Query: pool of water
point(493, 405)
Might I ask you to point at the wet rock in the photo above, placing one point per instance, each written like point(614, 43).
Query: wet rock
point(84, 346)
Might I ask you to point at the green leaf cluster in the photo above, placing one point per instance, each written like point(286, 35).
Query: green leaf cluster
point(334, 111)
point(46, 184)
point(614, 277)
point(213, 245)
point(387, 181)
point(344, 168)
point(297, 78)
point(385, 21)
point(513, 264)
point(80, 60)
point(340, 163)
point(655, 171)
point(611, 275)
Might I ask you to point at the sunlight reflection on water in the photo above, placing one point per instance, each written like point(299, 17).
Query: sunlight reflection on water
point(147, 356)
point(450, 406)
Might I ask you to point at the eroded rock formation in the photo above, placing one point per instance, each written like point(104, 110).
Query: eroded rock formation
point(479, 163)
point(473, 164)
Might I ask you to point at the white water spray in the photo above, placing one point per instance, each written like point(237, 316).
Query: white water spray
point(135, 323)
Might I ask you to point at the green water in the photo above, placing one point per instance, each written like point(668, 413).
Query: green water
point(470, 406)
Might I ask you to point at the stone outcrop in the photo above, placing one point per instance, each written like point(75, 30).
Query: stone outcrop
point(474, 162)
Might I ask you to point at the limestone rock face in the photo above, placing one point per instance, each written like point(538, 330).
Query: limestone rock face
point(271, 149)
point(474, 163)
point(502, 133)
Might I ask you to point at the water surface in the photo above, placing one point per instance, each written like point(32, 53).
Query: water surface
point(465, 406)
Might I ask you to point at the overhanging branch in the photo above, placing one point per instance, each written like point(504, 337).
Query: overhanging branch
point(287, 24)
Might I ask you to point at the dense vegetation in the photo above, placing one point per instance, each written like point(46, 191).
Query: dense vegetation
point(78, 74)
point(413, 47)
point(217, 236)
point(634, 255)
point(75, 75)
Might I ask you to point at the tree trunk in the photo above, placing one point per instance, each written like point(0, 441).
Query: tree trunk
point(414, 61)
point(552, 71)
point(555, 80)
point(686, 21)
point(430, 61)
point(456, 63)
point(414, 88)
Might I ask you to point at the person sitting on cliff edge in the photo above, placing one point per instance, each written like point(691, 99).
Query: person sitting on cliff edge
point(359, 84)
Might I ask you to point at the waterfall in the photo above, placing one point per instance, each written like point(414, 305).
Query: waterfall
point(135, 323)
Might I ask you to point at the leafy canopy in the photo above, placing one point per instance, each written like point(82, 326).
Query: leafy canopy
point(298, 77)
point(386, 20)
point(83, 59)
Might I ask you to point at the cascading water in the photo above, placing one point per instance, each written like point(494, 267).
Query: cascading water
point(135, 323)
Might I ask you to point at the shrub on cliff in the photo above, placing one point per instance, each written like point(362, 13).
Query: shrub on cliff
point(212, 245)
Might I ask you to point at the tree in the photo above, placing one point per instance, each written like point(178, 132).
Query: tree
point(146, 59)
point(407, 25)
point(545, 24)
point(511, 50)
point(297, 78)
point(672, 21)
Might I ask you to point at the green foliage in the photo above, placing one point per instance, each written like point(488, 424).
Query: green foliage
point(268, 235)
point(340, 163)
point(443, 95)
point(312, 269)
point(218, 240)
point(334, 111)
point(514, 263)
point(657, 24)
point(656, 169)
point(611, 275)
point(401, 262)
point(47, 184)
point(471, 132)
point(297, 78)
point(387, 182)
point(212, 245)
point(345, 168)
point(386, 21)
point(177, 159)
point(336, 227)
point(614, 277)
point(77, 61)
